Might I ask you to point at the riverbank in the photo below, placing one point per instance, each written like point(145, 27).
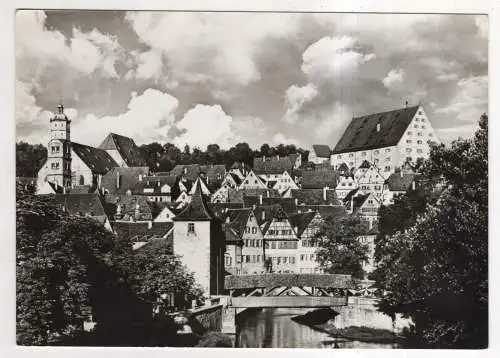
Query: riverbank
point(319, 320)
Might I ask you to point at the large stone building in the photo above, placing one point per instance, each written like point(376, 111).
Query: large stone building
point(387, 140)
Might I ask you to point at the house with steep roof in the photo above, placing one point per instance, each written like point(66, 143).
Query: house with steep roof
point(246, 226)
point(372, 181)
point(87, 205)
point(280, 241)
point(122, 180)
point(319, 178)
point(156, 188)
point(386, 139)
point(364, 205)
point(398, 183)
point(284, 182)
point(307, 225)
point(313, 196)
point(123, 150)
point(140, 234)
point(252, 181)
point(134, 208)
point(271, 169)
point(296, 160)
point(319, 154)
point(345, 185)
point(199, 241)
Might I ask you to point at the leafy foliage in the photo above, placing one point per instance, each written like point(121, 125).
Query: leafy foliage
point(29, 159)
point(215, 339)
point(340, 250)
point(436, 266)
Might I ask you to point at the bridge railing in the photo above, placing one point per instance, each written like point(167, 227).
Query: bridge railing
point(236, 282)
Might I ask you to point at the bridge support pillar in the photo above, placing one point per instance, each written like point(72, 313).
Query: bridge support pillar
point(228, 318)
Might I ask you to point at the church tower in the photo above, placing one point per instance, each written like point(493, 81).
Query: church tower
point(59, 150)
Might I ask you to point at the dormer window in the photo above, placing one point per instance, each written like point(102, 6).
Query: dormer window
point(190, 228)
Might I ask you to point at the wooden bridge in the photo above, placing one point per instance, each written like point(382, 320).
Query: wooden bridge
point(287, 290)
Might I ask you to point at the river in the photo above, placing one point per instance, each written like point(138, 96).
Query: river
point(273, 328)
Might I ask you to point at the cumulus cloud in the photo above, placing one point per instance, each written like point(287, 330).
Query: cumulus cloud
point(334, 58)
point(394, 79)
point(295, 98)
point(280, 138)
point(203, 125)
point(470, 100)
point(201, 47)
point(148, 118)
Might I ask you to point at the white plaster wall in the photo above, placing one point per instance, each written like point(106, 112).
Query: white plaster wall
point(117, 157)
point(194, 250)
point(254, 233)
point(78, 167)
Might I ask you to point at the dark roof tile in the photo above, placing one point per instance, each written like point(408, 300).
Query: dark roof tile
point(98, 160)
point(362, 134)
point(127, 148)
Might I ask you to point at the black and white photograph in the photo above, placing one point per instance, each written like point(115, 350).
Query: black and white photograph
point(262, 179)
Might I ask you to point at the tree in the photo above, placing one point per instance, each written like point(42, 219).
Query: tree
point(340, 251)
point(437, 268)
point(29, 159)
point(54, 255)
point(157, 275)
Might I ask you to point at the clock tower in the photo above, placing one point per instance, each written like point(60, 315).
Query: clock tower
point(59, 150)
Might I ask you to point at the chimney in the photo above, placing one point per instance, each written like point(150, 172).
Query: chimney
point(401, 172)
point(413, 185)
point(263, 215)
point(140, 177)
point(296, 202)
point(378, 127)
point(352, 204)
point(324, 193)
point(260, 199)
point(117, 179)
point(267, 193)
point(185, 170)
point(150, 224)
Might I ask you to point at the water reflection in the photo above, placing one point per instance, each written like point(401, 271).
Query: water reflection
point(273, 328)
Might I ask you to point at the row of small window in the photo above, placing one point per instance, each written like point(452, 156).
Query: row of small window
point(375, 152)
point(409, 150)
point(277, 232)
point(420, 119)
point(369, 210)
point(367, 187)
point(417, 126)
point(408, 141)
point(278, 260)
point(346, 184)
point(306, 257)
point(159, 199)
point(309, 243)
point(253, 243)
point(56, 165)
point(281, 245)
point(254, 182)
point(252, 229)
point(253, 258)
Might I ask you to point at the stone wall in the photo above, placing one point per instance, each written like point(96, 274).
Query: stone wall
point(363, 312)
point(210, 317)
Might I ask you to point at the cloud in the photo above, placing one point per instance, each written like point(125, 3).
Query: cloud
point(470, 100)
point(333, 58)
point(394, 79)
point(148, 118)
point(280, 138)
point(295, 98)
point(203, 125)
point(201, 46)
point(85, 52)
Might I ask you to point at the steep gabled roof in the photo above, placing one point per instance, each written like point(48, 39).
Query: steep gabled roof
point(127, 148)
point(239, 217)
point(315, 197)
point(129, 177)
point(265, 213)
point(131, 207)
point(301, 221)
point(98, 160)
point(326, 211)
point(83, 205)
point(365, 165)
point(288, 204)
point(192, 171)
point(319, 178)
point(215, 173)
point(140, 231)
point(358, 201)
point(398, 182)
point(321, 150)
point(220, 209)
point(197, 209)
point(271, 165)
point(362, 134)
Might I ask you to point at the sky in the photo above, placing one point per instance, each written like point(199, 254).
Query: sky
point(200, 78)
